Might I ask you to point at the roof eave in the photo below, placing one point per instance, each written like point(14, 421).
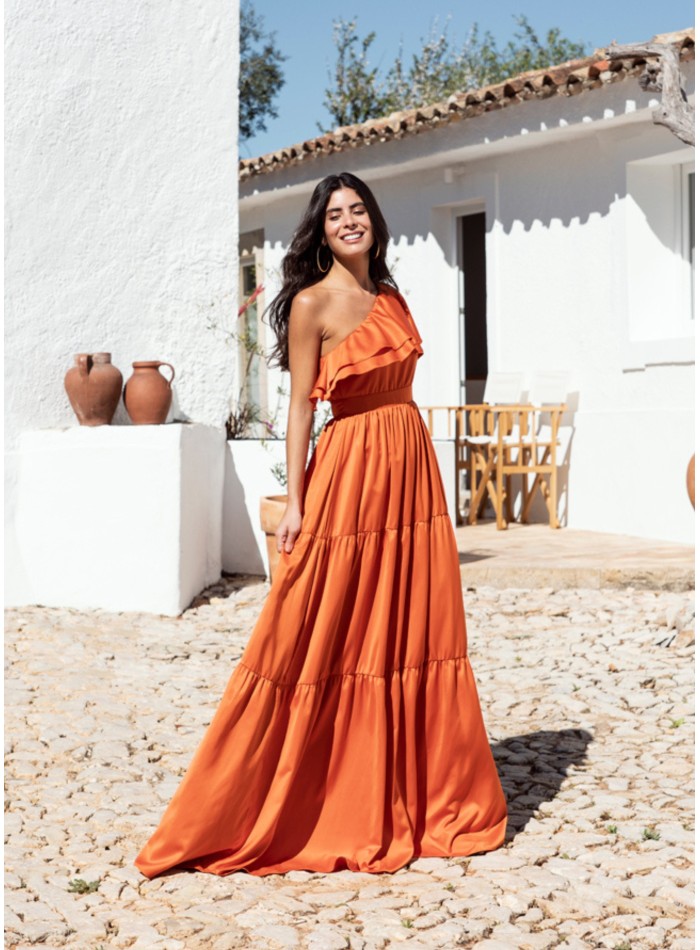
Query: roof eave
point(566, 79)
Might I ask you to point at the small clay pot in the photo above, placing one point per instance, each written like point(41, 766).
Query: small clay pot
point(148, 394)
point(93, 387)
point(271, 511)
point(690, 480)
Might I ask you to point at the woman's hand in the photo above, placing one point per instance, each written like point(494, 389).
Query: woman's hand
point(288, 529)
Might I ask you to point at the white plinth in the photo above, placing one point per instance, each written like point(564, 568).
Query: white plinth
point(445, 453)
point(248, 477)
point(120, 517)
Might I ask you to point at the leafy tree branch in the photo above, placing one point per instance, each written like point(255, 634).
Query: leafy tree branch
point(261, 76)
point(358, 91)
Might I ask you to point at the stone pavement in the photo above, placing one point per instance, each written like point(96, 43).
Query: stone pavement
point(534, 555)
point(588, 699)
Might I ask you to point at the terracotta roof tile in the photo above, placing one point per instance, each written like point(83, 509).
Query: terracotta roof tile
point(566, 79)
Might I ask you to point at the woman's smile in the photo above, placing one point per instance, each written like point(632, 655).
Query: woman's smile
point(353, 237)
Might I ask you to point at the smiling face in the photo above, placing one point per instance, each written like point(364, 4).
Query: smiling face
point(347, 228)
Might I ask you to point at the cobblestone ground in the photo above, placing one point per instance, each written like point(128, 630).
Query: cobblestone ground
point(591, 721)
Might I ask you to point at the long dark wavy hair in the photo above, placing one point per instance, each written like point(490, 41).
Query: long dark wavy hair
point(300, 264)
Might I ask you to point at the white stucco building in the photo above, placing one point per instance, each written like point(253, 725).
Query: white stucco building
point(122, 225)
point(541, 224)
point(549, 215)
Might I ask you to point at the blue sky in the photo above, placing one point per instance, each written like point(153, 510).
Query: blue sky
point(304, 32)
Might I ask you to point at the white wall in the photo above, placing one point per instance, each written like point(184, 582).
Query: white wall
point(560, 285)
point(659, 294)
point(633, 428)
point(121, 202)
point(248, 476)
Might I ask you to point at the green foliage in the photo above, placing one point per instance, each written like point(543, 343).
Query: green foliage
point(357, 93)
point(650, 834)
point(261, 75)
point(79, 886)
point(247, 415)
point(528, 52)
point(438, 70)
point(247, 420)
point(279, 469)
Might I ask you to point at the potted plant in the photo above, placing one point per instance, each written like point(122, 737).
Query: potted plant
point(271, 511)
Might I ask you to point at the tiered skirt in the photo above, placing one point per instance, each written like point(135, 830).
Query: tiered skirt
point(350, 734)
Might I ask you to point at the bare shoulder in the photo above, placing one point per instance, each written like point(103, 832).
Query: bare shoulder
point(309, 307)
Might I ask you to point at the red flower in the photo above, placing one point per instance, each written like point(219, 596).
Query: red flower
point(256, 293)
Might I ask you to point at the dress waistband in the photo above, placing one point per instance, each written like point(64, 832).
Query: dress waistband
point(352, 405)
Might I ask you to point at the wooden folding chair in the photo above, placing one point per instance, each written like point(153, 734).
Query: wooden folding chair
point(530, 450)
point(531, 455)
point(477, 442)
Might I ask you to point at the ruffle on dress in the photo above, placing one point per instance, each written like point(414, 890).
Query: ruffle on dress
point(386, 335)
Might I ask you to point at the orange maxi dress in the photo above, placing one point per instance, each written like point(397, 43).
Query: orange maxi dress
point(350, 733)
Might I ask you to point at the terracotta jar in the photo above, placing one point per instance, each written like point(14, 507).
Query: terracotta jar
point(690, 480)
point(271, 511)
point(148, 394)
point(93, 386)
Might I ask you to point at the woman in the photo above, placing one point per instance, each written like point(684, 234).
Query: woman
point(350, 734)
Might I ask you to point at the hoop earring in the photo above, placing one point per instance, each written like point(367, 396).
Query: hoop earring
point(318, 261)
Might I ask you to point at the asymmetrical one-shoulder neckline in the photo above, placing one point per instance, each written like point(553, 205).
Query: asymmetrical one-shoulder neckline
point(364, 320)
point(386, 335)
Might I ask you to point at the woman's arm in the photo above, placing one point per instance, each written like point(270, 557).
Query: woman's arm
point(304, 350)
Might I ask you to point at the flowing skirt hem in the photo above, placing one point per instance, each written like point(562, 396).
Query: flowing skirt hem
point(469, 844)
point(352, 771)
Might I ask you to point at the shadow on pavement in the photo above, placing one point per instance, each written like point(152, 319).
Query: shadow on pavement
point(532, 768)
point(468, 557)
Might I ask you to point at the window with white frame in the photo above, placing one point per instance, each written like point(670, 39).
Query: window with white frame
point(688, 233)
point(660, 244)
point(251, 403)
